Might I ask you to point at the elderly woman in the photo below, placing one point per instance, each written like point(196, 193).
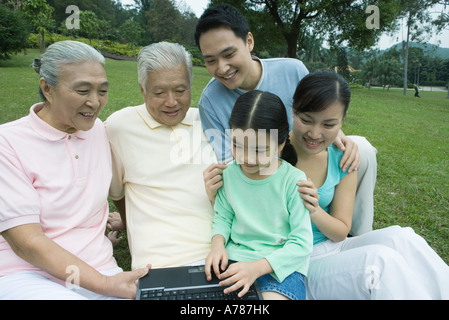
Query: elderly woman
point(56, 173)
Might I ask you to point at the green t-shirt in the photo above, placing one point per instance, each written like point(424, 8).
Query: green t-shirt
point(265, 219)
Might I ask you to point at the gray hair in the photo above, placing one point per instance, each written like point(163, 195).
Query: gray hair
point(61, 53)
point(162, 56)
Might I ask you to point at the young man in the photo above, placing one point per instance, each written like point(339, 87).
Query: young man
point(223, 36)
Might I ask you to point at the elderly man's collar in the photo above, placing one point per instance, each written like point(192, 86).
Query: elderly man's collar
point(153, 124)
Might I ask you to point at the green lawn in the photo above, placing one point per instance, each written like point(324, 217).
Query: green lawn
point(412, 138)
point(411, 135)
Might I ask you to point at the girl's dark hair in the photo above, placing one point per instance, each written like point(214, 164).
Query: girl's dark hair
point(318, 90)
point(222, 15)
point(259, 110)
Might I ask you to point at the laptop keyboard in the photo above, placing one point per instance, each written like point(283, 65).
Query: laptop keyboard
point(209, 293)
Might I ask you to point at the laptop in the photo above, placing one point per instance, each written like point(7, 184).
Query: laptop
point(187, 283)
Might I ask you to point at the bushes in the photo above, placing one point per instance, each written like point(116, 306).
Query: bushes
point(120, 49)
point(106, 46)
point(356, 86)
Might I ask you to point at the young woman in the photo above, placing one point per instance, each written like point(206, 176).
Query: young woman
point(260, 220)
point(391, 263)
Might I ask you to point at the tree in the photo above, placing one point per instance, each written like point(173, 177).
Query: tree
point(90, 25)
point(369, 71)
point(416, 13)
point(13, 30)
point(313, 47)
point(415, 61)
point(131, 32)
point(39, 14)
point(164, 21)
point(188, 23)
point(342, 63)
point(388, 72)
point(342, 20)
point(441, 23)
point(289, 17)
point(144, 7)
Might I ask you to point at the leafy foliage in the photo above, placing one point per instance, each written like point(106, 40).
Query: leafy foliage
point(338, 21)
point(13, 30)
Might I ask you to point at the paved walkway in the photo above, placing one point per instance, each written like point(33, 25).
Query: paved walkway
point(437, 89)
point(421, 89)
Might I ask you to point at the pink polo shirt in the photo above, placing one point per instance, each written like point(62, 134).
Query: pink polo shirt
point(59, 180)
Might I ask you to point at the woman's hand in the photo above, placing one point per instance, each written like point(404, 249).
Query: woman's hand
point(31, 244)
point(124, 284)
point(213, 180)
point(309, 193)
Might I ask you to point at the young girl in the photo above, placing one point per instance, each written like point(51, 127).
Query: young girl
point(390, 263)
point(260, 220)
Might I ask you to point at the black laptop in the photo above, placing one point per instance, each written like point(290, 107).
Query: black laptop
point(187, 283)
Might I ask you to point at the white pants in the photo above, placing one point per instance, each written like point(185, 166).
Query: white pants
point(363, 215)
point(29, 285)
point(390, 263)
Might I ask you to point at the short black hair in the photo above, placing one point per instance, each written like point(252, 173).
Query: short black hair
point(222, 15)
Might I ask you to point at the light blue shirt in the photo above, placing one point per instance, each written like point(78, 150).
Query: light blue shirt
point(327, 190)
point(280, 76)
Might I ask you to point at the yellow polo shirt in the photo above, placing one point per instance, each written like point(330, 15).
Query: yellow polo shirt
point(159, 169)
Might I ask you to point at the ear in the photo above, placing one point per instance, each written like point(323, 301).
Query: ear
point(281, 147)
point(142, 91)
point(46, 89)
point(250, 41)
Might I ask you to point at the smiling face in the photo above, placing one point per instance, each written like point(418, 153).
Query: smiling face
point(228, 58)
point(315, 131)
point(167, 95)
point(75, 103)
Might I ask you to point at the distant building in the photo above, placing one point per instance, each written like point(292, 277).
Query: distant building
point(350, 68)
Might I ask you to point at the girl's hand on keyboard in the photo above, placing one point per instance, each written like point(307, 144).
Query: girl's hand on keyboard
point(243, 274)
point(217, 258)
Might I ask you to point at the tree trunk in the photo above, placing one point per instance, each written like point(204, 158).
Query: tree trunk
point(292, 42)
point(42, 41)
point(406, 55)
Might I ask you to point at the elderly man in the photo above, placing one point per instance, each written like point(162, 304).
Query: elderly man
point(159, 153)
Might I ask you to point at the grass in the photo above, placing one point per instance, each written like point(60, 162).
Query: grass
point(412, 137)
point(410, 134)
